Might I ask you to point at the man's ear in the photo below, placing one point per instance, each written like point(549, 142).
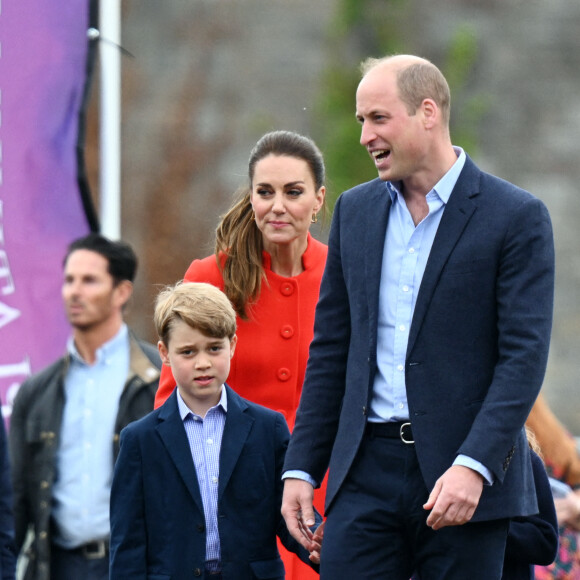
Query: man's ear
point(123, 291)
point(163, 353)
point(431, 113)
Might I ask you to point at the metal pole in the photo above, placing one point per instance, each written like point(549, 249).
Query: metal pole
point(110, 118)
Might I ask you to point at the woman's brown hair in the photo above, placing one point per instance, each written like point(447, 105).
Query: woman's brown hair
point(238, 237)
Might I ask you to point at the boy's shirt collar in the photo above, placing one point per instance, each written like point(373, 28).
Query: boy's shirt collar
point(184, 410)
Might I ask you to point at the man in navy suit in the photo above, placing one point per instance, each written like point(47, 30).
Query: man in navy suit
point(430, 346)
point(197, 487)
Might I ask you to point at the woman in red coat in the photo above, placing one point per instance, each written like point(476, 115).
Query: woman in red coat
point(270, 268)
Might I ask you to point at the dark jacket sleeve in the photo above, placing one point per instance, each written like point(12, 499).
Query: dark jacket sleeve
point(7, 545)
point(21, 464)
point(534, 539)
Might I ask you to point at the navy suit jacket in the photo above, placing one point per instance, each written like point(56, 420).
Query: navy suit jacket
point(157, 517)
point(477, 347)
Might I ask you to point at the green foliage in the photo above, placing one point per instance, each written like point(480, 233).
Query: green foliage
point(461, 57)
point(468, 110)
point(346, 163)
point(361, 28)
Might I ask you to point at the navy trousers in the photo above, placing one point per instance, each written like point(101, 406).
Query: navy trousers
point(376, 527)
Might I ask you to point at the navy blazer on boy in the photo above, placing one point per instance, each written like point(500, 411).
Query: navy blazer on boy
point(157, 516)
point(477, 347)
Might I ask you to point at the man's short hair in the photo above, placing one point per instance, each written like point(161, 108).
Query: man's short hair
point(201, 306)
point(120, 256)
point(416, 81)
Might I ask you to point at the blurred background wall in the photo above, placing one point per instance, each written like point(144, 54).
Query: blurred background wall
point(208, 77)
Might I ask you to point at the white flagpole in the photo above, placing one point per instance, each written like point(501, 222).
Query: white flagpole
point(110, 118)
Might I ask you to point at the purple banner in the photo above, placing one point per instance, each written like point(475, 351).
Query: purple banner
point(42, 77)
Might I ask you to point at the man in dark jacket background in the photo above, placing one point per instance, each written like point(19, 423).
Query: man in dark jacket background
point(7, 548)
point(66, 420)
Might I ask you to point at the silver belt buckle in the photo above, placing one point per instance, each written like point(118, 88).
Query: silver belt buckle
point(97, 554)
point(402, 434)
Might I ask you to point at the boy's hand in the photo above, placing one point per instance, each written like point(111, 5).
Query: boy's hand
point(298, 511)
point(317, 544)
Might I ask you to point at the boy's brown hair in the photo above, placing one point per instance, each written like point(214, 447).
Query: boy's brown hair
point(201, 306)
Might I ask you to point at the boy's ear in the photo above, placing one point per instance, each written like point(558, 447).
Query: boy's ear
point(163, 353)
point(233, 342)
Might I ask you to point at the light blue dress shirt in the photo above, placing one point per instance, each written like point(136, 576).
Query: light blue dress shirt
point(84, 459)
point(205, 440)
point(406, 251)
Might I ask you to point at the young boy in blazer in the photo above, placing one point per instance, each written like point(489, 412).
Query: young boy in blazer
point(197, 488)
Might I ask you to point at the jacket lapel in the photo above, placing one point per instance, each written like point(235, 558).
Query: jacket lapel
point(236, 432)
point(173, 435)
point(456, 216)
point(376, 229)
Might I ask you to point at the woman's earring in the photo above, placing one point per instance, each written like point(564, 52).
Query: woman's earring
point(314, 218)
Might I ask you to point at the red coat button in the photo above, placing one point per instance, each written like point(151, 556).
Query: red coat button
point(287, 331)
point(283, 374)
point(287, 289)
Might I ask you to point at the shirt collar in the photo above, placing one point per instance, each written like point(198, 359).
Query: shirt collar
point(106, 350)
point(444, 186)
point(184, 410)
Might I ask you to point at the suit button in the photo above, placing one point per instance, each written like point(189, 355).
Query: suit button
point(287, 331)
point(200, 528)
point(197, 572)
point(283, 374)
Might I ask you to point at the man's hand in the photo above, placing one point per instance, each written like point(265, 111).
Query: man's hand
point(454, 497)
point(298, 511)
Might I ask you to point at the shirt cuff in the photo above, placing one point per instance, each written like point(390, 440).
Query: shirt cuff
point(476, 466)
point(297, 474)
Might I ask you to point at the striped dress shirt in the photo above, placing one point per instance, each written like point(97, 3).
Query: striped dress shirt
point(205, 438)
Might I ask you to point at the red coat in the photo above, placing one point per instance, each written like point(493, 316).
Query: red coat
point(270, 360)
